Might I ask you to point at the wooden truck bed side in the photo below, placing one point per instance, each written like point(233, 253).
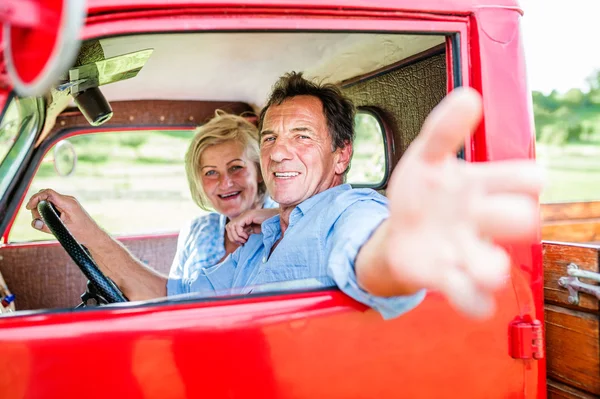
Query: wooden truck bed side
point(572, 329)
point(571, 222)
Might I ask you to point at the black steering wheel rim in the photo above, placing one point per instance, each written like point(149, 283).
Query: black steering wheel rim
point(79, 254)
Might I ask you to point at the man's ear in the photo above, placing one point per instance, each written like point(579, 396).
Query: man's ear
point(343, 158)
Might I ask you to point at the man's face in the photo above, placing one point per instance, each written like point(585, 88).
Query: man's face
point(296, 151)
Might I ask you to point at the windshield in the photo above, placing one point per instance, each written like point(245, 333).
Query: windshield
point(9, 129)
point(18, 127)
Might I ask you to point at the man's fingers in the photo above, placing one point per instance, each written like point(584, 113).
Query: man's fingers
point(232, 229)
point(487, 264)
point(518, 176)
point(449, 124)
point(232, 234)
point(464, 295)
point(239, 230)
point(506, 217)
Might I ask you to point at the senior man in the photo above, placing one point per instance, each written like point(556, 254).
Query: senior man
point(436, 231)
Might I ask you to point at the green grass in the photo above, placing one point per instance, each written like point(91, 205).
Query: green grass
point(573, 172)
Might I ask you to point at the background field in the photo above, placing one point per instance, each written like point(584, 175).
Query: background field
point(568, 141)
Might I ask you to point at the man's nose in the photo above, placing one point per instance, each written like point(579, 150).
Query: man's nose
point(281, 151)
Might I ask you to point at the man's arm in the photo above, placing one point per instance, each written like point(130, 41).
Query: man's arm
point(446, 216)
point(136, 280)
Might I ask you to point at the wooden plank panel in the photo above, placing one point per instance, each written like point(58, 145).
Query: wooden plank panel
point(573, 348)
point(582, 231)
point(556, 258)
point(556, 390)
point(570, 211)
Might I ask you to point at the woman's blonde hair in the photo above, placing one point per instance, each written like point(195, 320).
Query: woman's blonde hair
point(223, 127)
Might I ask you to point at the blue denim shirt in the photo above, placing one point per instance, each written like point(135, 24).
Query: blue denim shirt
point(201, 244)
point(319, 248)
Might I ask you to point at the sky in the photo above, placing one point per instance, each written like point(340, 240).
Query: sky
point(562, 42)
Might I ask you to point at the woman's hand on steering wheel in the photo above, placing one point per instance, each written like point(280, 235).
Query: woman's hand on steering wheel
point(83, 228)
point(73, 228)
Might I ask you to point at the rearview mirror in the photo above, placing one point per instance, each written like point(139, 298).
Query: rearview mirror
point(65, 158)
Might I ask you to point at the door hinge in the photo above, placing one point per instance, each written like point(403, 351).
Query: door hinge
point(526, 340)
point(575, 286)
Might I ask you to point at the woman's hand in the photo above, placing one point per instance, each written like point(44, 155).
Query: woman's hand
point(72, 214)
point(240, 228)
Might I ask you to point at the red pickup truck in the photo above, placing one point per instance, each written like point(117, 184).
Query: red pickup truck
point(152, 71)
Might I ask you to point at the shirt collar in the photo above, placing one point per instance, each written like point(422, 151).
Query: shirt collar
point(272, 226)
point(222, 222)
point(309, 203)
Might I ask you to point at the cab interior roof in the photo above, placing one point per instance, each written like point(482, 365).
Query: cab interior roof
point(242, 67)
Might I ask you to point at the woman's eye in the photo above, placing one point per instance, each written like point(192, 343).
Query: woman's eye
point(235, 168)
point(210, 173)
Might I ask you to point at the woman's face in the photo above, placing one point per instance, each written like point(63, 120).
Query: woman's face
point(229, 178)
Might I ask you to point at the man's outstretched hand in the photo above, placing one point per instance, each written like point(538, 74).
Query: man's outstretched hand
point(447, 216)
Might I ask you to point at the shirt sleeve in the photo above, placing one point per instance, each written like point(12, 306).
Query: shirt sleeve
point(216, 280)
point(350, 232)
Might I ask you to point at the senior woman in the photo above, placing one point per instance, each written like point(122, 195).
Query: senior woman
point(223, 172)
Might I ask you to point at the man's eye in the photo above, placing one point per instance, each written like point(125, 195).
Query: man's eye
point(266, 139)
point(304, 137)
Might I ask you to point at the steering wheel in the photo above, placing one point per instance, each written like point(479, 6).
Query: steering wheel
point(103, 286)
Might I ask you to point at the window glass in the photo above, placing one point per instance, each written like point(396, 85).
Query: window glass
point(9, 129)
point(18, 128)
point(130, 182)
point(369, 160)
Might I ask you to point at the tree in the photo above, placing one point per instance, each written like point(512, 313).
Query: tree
point(574, 97)
point(574, 133)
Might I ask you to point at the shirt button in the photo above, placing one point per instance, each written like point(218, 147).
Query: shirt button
point(264, 259)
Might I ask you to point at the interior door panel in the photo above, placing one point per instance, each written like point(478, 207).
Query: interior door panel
point(43, 276)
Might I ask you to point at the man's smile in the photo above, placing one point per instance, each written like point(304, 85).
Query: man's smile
point(285, 175)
